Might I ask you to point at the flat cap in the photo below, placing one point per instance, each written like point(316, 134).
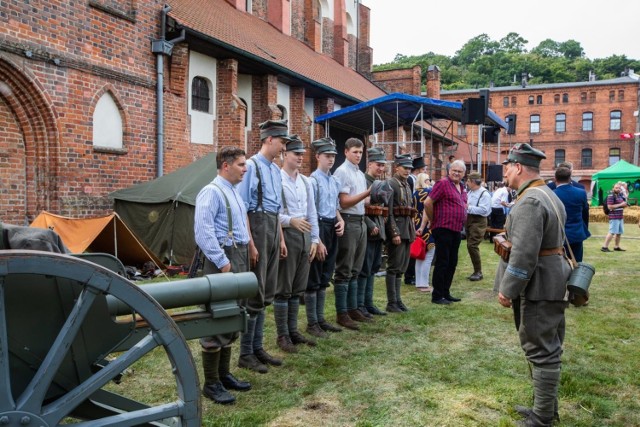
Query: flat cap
point(278, 128)
point(525, 154)
point(376, 154)
point(324, 145)
point(418, 163)
point(403, 160)
point(294, 144)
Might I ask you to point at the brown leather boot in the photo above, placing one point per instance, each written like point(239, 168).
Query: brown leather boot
point(343, 319)
point(298, 338)
point(285, 344)
point(328, 327)
point(316, 331)
point(358, 316)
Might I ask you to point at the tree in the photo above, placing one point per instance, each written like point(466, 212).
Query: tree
point(513, 43)
point(547, 48)
point(571, 49)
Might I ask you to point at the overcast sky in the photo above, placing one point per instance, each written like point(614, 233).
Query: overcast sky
point(416, 27)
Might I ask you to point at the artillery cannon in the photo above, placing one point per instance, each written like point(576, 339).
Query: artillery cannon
point(68, 327)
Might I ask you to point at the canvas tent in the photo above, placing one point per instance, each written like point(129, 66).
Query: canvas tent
point(603, 181)
point(161, 211)
point(107, 234)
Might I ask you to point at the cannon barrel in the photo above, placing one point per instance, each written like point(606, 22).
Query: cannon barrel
point(196, 291)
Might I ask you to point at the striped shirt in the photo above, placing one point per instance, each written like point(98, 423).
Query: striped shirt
point(326, 189)
point(352, 182)
point(449, 205)
point(211, 224)
point(614, 199)
point(299, 203)
point(270, 182)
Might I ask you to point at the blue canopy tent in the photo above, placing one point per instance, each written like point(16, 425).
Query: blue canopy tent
point(395, 110)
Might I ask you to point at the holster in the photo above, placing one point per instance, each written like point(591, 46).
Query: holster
point(502, 246)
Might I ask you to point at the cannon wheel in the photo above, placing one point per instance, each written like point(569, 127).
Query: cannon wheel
point(32, 407)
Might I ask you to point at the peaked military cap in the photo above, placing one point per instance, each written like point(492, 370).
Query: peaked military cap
point(324, 145)
point(376, 154)
point(525, 154)
point(418, 163)
point(403, 160)
point(294, 144)
point(273, 128)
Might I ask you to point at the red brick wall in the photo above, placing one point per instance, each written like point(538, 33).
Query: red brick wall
point(365, 53)
point(13, 188)
point(402, 80)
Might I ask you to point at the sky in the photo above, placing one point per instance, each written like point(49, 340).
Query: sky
point(416, 27)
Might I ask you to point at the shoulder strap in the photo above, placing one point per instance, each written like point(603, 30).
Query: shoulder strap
point(229, 219)
point(564, 236)
point(480, 197)
point(259, 175)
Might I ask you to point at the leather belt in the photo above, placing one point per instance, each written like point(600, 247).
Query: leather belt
point(551, 251)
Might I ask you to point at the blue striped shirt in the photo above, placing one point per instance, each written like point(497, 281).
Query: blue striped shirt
point(211, 225)
point(300, 203)
point(326, 188)
point(271, 185)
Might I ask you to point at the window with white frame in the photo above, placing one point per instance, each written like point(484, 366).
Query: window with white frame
point(534, 123)
point(615, 119)
point(561, 122)
point(587, 122)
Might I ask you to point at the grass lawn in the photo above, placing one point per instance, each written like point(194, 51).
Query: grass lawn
point(458, 365)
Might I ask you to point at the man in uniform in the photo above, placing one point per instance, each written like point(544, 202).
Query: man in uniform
point(375, 221)
point(533, 279)
point(221, 233)
point(353, 243)
point(261, 191)
point(418, 167)
point(299, 222)
point(400, 232)
point(331, 226)
point(478, 209)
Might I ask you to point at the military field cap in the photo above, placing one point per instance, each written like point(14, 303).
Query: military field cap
point(403, 160)
point(273, 128)
point(376, 154)
point(294, 144)
point(418, 163)
point(525, 154)
point(324, 145)
point(475, 175)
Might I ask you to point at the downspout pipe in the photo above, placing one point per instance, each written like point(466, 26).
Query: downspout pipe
point(162, 47)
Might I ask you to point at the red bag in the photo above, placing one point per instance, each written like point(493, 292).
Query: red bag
point(418, 249)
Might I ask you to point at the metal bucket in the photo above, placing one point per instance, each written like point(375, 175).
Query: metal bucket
point(580, 278)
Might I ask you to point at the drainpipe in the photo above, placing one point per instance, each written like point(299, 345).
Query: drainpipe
point(162, 47)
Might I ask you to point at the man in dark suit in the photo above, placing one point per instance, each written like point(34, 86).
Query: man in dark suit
point(552, 185)
point(575, 203)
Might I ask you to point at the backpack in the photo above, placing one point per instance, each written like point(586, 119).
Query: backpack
point(605, 208)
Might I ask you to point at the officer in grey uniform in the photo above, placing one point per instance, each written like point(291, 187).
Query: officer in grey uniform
point(400, 232)
point(533, 279)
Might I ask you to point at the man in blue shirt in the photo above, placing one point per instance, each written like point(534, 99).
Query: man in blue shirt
point(261, 191)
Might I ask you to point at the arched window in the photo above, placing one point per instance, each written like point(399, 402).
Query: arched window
point(505, 101)
point(587, 122)
point(514, 100)
point(587, 158)
point(531, 100)
point(565, 98)
point(539, 99)
point(614, 120)
point(556, 98)
point(534, 123)
point(200, 95)
point(561, 122)
point(107, 123)
point(559, 157)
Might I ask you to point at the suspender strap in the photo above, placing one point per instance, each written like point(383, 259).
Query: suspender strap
point(284, 203)
point(316, 194)
point(481, 194)
point(259, 175)
point(229, 219)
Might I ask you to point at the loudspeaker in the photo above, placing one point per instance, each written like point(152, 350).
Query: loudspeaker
point(490, 134)
point(484, 95)
point(473, 111)
point(494, 173)
point(511, 122)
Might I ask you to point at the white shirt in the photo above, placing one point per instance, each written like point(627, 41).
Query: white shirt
point(352, 182)
point(299, 203)
point(499, 196)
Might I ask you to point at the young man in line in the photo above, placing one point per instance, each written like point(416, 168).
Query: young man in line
point(376, 236)
point(261, 191)
point(352, 244)
point(331, 226)
point(222, 233)
point(299, 222)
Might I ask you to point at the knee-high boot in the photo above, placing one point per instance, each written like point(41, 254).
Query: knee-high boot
point(213, 388)
point(546, 379)
point(398, 293)
point(392, 305)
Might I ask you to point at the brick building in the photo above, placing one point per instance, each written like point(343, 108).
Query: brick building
point(81, 84)
point(579, 122)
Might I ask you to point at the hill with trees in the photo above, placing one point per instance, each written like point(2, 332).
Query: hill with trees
point(482, 61)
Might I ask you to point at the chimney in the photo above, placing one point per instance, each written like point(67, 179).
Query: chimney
point(592, 76)
point(433, 82)
point(524, 79)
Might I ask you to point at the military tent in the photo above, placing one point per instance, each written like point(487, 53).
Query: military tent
point(603, 181)
point(161, 211)
point(107, 234)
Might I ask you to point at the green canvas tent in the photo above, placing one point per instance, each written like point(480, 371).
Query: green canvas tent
point(604, 180)
point(160, 212)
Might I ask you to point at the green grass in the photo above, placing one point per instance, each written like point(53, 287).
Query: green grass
point(459, 365)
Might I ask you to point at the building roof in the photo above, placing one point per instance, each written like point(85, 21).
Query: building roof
point(252, 38)
point(546, 86)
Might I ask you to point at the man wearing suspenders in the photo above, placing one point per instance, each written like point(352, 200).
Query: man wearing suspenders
point(331, 227)
point(299, 222)
point(221, 233)
point(478, 209)
point(261, 191)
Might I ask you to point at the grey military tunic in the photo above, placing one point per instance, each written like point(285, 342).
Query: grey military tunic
point(538, 282)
